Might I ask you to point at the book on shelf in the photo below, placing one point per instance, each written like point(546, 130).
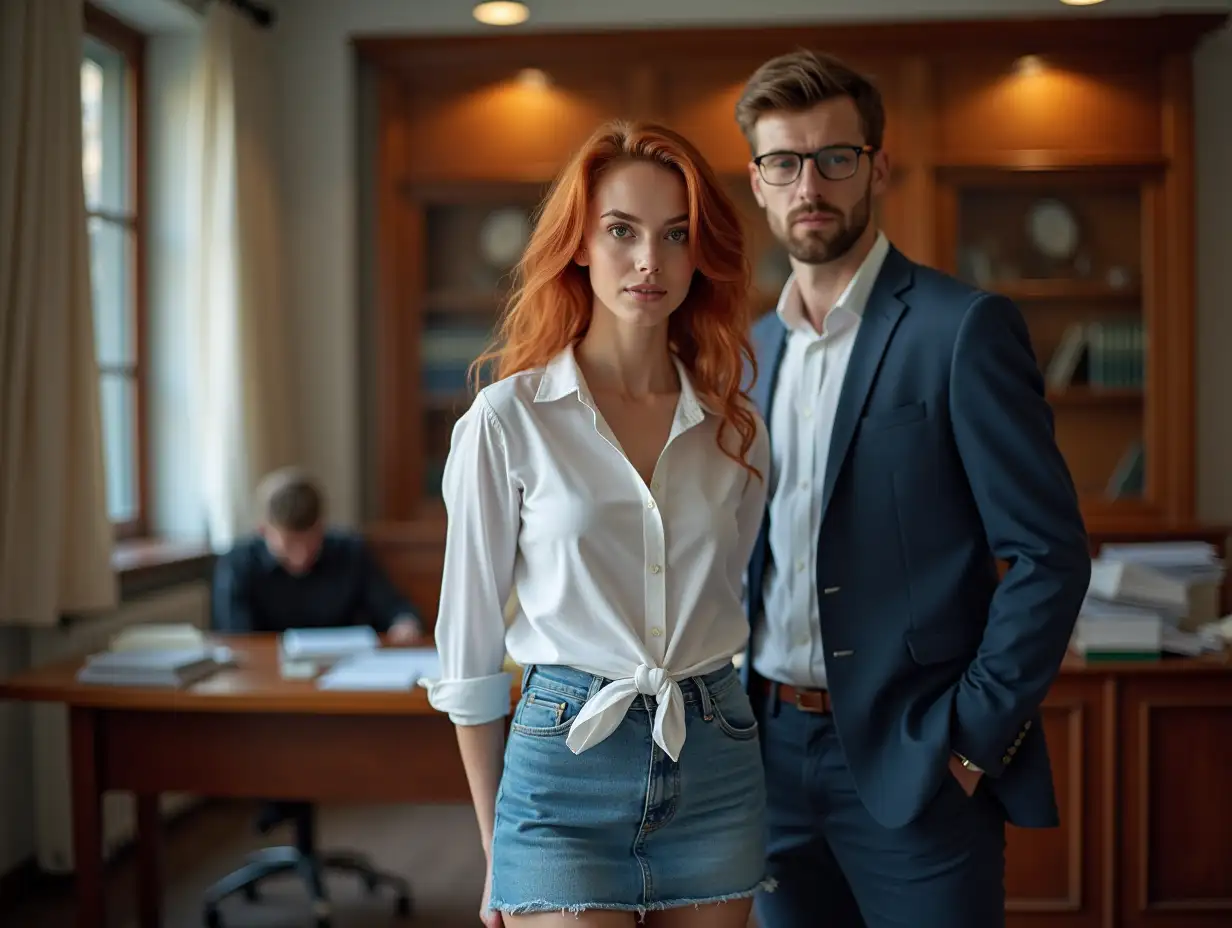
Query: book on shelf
point(1102, 355)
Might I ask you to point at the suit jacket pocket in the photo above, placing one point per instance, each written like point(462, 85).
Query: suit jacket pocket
point(940, 645)
point(899, 415)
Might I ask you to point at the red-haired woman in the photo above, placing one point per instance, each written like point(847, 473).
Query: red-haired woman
point(614, 477)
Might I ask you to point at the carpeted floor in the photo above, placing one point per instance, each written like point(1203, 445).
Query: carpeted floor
point(435, 847)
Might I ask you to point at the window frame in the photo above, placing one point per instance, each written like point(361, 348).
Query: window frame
point(130, 44)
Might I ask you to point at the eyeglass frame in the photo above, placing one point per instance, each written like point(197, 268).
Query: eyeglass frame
point(815, 157)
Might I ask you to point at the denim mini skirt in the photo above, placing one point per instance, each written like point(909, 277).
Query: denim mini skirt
point(621, 825)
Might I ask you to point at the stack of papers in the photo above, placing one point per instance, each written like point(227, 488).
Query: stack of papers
point(325, 645)
point(392, 669)
point(149, 667)
point(1145, 600)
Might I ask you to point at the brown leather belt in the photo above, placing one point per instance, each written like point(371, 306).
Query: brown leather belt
point(817, 701)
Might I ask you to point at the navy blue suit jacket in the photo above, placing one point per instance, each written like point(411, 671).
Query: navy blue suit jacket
point(942, 462)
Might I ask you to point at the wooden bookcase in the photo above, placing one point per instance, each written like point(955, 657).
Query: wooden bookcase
point(1089, 116)
point(1006, 139)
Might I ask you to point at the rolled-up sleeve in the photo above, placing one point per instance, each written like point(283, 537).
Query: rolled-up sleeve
point(482, 503)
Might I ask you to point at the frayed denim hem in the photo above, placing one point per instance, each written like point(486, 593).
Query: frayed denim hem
point(542, 905)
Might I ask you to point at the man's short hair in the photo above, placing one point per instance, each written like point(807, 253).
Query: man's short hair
point(800, 80)
point(290, 500)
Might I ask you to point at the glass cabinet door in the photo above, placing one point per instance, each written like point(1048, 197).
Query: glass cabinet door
point(470, 247)
point(1068, 249)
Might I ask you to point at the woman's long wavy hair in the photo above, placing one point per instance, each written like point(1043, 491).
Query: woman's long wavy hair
point(552, 300)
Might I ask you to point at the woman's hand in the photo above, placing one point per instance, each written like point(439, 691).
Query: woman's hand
point(489, 918)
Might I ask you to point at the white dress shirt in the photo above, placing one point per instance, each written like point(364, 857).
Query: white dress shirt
point(639, 584)
point(787, 646)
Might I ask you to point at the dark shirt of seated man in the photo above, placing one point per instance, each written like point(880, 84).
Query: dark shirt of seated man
point(296, 573)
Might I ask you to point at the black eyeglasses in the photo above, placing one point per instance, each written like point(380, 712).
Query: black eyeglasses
point(834, 162)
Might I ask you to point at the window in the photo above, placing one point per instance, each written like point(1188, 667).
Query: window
point(111, 71)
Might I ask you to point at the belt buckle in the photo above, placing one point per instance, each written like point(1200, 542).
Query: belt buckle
point(817, 710)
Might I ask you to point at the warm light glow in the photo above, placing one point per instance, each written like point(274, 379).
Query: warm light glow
point(1081, 2)
point(533, 77)
point(1029, 64)
point(501, 13)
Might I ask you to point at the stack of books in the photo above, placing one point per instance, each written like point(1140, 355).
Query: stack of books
point(1145, 600)
point(157, 667)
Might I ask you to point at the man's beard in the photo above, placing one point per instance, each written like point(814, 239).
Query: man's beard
point(821, 246)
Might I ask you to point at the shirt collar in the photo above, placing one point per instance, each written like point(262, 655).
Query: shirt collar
point(853, 299)
point(563, 377)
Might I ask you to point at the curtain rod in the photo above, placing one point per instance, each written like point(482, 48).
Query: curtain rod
point(262, 15)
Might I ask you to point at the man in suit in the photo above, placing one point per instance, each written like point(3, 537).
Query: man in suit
point(296, 573)
point(897, 680)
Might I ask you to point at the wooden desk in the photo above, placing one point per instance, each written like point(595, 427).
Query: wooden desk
point(244, 732)
point(1140, 752)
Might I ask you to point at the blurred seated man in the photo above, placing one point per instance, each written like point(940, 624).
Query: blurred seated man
point(296, 573)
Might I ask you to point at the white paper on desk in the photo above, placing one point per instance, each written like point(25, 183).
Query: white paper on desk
point(391, 669)
point(309, 643)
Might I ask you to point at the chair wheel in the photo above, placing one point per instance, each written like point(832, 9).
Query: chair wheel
point(251, 893)
point(212, 918)
point(402, 908)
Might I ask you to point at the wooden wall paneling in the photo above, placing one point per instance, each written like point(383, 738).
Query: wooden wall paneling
point(397, 279)
point(1053, 875)
point(698, 100)
point(1110, 819)
point(1161, 474)
point(1061, 103)
point(1176, 367)
point(1177, 843)
point(510, 118)
point(700, 95)
point(913, 148)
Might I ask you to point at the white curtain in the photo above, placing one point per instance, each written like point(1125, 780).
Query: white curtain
point(241, 379)
point(55, 535)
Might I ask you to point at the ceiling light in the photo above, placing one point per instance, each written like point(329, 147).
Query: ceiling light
point(1081, 2)
point(501, 13)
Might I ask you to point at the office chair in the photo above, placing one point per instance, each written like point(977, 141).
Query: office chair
point(305, 859)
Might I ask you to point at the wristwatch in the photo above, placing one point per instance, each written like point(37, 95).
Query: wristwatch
point(966, 763)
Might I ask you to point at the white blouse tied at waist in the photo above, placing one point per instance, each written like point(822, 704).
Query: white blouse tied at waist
point(639, 584)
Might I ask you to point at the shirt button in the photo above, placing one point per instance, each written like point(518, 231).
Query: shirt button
point(656, 632)
point(804, 484)
point(655, 568)
point(801, 564)
point(650, 504)
point(807, 412)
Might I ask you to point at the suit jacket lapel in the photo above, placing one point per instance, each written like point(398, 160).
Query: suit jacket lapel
point(769, 357)
point(881, 317)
